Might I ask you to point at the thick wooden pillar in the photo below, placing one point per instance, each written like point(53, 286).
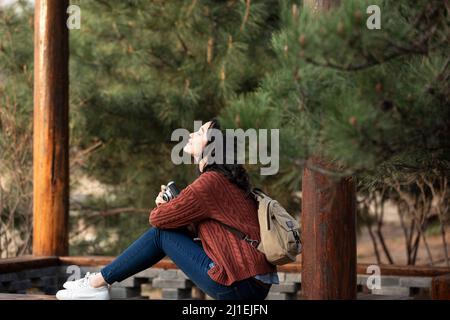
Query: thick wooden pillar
point(328, 233)
point(51, 134)
point(328, 224)
point(440, 287)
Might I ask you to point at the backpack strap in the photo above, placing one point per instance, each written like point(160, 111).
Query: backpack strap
point(240, 234)
point(258, 194)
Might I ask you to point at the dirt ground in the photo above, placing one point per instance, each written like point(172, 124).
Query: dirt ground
point(395, 241)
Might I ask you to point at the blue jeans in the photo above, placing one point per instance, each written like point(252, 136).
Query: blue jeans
point(188, 255)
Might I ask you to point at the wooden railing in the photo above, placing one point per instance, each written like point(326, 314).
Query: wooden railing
point(30, 262)
point(440, 288)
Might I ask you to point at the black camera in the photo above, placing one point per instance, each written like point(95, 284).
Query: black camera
point(171, 191)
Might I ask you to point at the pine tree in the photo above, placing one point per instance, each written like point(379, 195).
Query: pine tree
point(373, 101)
point(138, 70)
point(376, 102)
point(16, 100)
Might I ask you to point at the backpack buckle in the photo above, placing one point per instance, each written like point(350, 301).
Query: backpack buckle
point(253, 243)
point(297, 241)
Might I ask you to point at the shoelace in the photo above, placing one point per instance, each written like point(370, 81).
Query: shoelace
point(83, 282)
point(86, 278)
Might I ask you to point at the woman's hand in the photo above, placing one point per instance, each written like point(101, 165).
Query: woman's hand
point(159, 200)
point(192, 228)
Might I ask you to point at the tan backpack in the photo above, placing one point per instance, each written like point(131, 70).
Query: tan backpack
point(280, 232)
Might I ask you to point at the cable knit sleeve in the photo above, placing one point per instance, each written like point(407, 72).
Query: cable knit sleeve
point(185, 209)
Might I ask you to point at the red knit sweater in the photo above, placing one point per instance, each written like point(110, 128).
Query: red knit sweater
point(211, 198)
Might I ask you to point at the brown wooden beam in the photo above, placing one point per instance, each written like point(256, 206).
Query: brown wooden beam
point(30, 262)
point(51, 133)
point(385, 270)
point(12, 296)
point(165, 263)
point(86, 260)
point(404, 271)
point(440, 287)
point(329, 235)
point(26, 262)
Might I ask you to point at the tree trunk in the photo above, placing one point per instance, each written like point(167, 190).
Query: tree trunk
point(321, 4)
point(51, 131)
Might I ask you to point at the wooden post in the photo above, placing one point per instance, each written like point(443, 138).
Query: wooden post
point(440, 287)
point(51, 133)
point(328, 234)
point(328, 225)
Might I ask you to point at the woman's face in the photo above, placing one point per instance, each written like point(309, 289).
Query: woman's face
point(197, 141)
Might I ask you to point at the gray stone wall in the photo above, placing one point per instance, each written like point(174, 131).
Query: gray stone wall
point(43, 280)
point(155, 283)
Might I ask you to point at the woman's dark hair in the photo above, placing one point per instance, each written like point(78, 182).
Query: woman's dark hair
point(235, 172)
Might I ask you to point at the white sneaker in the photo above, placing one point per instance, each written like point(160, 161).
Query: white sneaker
point(82, 290)
point(77, 283)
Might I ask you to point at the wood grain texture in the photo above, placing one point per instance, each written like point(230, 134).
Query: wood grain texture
point(405, 271)
point(328, 234)
point(164, 263)
point(440, 287)
point(51, 130)
point(27, 262)
point(31, 262)
point(13, 296)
